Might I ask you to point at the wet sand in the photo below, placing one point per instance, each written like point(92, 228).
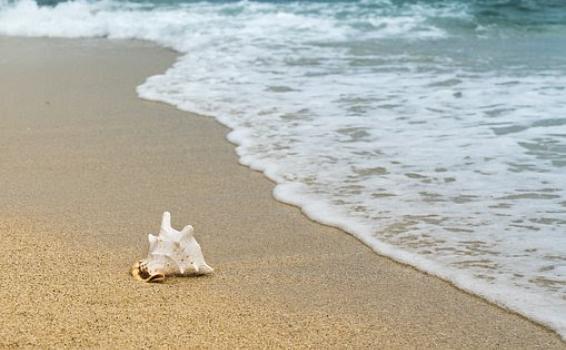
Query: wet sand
point(87, 168)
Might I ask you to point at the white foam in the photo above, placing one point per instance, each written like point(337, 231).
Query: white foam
point(436, 159)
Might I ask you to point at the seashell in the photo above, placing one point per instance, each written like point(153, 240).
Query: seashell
point(171, 253)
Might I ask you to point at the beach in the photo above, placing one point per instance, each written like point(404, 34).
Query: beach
point(87, 168)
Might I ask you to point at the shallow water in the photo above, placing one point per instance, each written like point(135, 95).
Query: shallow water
point(434, 131)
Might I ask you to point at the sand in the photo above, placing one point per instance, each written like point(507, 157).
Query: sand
point(87, 168)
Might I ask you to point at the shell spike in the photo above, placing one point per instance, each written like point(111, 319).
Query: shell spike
point(152, 242)
point(205, 269)
point(166, 221)
point(187, 231)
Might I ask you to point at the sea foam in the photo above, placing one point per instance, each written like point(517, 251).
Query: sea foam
point(405, 125)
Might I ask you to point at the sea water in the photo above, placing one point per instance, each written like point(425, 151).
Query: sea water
point(434, 131)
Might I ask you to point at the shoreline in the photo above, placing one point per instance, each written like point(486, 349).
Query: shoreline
point(462, 280)
point(93, 166)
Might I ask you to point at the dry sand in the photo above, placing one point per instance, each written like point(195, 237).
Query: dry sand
point(86, 169)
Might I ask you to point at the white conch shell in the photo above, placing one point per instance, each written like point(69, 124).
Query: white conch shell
point(172, 252)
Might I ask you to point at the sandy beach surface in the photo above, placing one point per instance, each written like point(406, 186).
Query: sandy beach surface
point(87, 168)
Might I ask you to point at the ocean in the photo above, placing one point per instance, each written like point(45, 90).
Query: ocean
point(433, 131)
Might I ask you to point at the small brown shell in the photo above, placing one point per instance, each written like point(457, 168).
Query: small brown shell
point(139, 272)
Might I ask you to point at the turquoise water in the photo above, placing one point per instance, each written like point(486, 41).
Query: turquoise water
point(434, 131)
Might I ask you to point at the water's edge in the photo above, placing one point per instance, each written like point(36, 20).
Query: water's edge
point(311, 207)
